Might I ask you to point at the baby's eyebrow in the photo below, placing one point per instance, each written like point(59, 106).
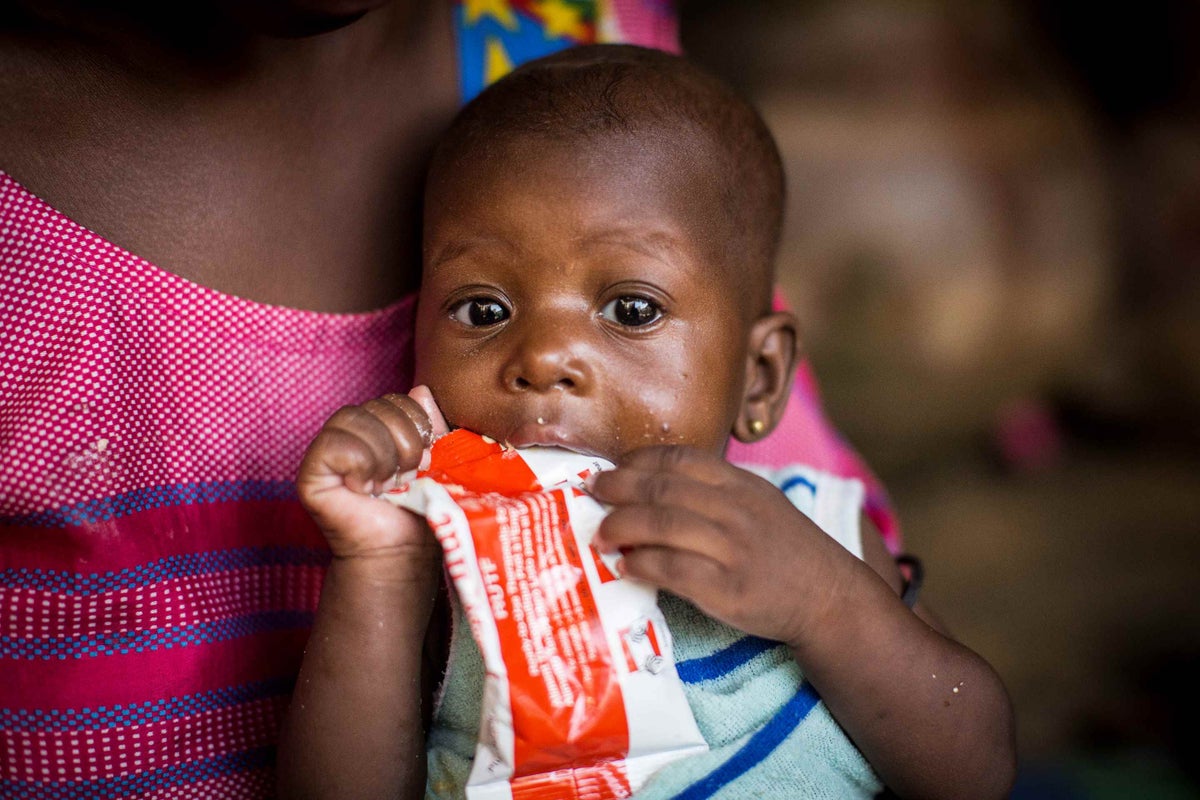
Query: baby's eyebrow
point(664, 245)
point(461, 246)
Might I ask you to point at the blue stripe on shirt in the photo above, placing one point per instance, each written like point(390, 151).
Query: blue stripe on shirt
point(797, 480)
point(724, 661)
point(757, 748)
point(147, 713)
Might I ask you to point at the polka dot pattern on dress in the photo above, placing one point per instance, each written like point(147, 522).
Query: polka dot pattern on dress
point(117, 377)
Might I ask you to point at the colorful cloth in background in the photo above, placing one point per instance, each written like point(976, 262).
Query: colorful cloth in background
point(496, 35)
point(157, 576)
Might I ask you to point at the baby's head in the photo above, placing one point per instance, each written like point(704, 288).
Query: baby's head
point(600, 230)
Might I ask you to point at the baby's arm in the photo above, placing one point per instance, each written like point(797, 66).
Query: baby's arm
point(930, 715)
point(354, 727)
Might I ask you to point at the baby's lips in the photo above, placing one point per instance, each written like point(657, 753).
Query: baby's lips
point(425, 399)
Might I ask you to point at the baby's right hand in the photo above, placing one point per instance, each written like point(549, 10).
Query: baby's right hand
point(357, 454)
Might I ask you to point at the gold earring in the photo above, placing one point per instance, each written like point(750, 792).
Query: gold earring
point(757, 426)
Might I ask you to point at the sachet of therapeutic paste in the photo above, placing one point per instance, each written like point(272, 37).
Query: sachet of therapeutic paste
point(582, 698)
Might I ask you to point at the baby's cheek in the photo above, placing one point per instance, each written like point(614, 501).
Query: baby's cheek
point(657, 428)
point(466, 409)
point(447, 395)
point(678, 420)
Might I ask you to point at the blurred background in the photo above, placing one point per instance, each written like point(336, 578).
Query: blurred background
point(993, 242)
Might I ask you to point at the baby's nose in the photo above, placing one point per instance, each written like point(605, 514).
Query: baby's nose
point(546, 363)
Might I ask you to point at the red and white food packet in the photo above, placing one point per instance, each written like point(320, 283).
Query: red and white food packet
point(582, 698)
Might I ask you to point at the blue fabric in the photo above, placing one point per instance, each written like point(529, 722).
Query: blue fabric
point(724, 661)
point(518, 36)
point(760, 745)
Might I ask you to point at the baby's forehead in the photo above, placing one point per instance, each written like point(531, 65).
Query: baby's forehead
point(682, 128)
point(659, 196)
point(631, 186)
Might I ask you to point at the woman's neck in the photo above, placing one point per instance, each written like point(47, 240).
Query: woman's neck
point(193, 46)
point(285, 170)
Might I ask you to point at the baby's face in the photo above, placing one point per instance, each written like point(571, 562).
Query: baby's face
point(570, 297)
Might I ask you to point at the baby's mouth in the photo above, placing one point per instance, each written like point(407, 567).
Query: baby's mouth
point(542, 432)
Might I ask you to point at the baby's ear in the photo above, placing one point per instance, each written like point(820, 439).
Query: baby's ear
point(770, 362)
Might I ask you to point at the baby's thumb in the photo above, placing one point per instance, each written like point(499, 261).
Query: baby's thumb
point(425, 400)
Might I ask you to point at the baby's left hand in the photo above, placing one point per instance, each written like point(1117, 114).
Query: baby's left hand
point(725, 539)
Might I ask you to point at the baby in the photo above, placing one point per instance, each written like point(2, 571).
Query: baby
point(599, 236)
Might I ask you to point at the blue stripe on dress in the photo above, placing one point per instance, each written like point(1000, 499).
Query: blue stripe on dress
point(147, 713)
point(64, 647)
point(724, 661)
point(184, 494)
point(181, 566)
point(757, 748)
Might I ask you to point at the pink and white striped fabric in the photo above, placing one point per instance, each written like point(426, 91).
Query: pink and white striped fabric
point(157, 576)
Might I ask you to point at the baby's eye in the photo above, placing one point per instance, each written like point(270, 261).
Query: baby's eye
point(631, 311)
point(479, 312)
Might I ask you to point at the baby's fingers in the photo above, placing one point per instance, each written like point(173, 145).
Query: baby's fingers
point(356, 448)
point(631, 486)
point(407, 425)
point(689, 575)
point(697, 464)
point(425, 400)
point(637, 527)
